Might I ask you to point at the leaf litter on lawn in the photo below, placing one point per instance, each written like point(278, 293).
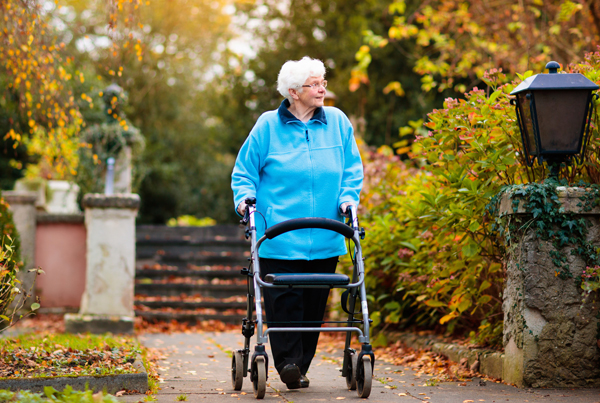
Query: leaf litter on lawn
point(56, 357)
point(50, 354)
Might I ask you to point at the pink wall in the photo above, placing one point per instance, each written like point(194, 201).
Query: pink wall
point(60, 252)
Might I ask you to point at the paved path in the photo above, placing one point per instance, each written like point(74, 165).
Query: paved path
point(198, 367)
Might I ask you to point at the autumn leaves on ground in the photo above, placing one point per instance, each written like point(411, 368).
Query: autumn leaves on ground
point(44, 349)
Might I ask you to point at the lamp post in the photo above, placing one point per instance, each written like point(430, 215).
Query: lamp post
point(554, 112)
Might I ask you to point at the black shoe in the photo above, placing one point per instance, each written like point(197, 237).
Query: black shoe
point(304, 382)
point(290, 375)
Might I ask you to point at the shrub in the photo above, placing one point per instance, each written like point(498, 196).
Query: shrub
point(431, 256)
point(12, 296)
point(191, 221)
point(8, 229)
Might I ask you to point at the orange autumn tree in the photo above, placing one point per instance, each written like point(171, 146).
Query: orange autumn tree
point(38, 77)
point(34, 73)
point(451, 43)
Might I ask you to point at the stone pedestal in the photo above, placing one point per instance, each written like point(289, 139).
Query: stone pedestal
point(107, 302)
point(550, 338)
point(22, 206)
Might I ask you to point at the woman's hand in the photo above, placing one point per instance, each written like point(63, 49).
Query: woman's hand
point(344, 208)
point(242, 208)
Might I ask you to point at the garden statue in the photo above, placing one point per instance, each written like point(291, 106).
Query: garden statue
point(115, 138)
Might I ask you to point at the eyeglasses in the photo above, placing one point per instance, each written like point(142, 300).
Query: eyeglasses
point(317, 85)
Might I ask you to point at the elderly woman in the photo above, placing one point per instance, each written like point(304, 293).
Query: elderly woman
point(300, 160)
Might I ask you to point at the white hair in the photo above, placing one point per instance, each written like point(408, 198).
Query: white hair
point(294, 73)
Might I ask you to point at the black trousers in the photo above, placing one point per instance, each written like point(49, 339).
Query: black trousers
point(295, 304)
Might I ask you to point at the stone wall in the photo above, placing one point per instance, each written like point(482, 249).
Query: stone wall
point(550, 336)
point(60, 252)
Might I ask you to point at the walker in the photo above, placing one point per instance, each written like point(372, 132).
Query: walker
point(357, 367)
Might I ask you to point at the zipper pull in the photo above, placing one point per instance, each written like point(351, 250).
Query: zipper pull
point(307, 139)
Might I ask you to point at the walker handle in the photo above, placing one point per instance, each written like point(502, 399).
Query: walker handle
point(310, 222)
point(352, 217)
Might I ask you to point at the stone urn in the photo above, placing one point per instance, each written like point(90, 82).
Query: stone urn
point(62, 197)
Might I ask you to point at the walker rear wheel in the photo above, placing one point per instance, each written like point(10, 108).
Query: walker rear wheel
point(237, 370)
point(364, 377)
point(351, 371)
point(260, 379)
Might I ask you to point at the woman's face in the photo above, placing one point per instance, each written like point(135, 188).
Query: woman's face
point(312, 96)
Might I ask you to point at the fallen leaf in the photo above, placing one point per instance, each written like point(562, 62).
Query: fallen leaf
point(401, 394)
point(468, 401)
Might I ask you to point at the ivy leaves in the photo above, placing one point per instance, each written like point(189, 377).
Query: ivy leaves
point(550, 220)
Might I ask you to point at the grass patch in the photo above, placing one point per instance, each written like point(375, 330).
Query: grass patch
point(51, 395)
point(50, 342)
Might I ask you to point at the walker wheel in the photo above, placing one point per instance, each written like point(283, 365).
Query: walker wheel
point(260, 379)
point(237, 370)
point(364, 377)
point(351, 372)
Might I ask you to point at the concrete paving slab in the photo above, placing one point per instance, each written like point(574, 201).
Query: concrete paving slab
point(198, 366)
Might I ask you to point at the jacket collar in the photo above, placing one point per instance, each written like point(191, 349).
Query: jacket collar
point(286, 116)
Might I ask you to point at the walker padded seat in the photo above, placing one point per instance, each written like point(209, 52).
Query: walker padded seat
point(307, 279)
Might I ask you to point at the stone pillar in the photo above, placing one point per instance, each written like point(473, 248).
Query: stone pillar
point(550, 338)
point(22, 206)
point(107, 302)
point(37, 186)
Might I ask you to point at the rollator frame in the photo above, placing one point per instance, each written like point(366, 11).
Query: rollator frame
point(357, 369)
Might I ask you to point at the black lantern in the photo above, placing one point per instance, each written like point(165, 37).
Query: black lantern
point(330, 98)
point(554, 113)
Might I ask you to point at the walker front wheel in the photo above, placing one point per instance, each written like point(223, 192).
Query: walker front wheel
point(351, 371)
point(260, 377)
point(364, 377)
point(237, 370)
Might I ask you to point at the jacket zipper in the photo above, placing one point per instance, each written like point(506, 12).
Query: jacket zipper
point(313, 193)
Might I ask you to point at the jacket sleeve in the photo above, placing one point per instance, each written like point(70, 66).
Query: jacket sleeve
point(245, 175)
point(352, 178)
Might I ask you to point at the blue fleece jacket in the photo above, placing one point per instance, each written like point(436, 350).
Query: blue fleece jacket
point(297, 169)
